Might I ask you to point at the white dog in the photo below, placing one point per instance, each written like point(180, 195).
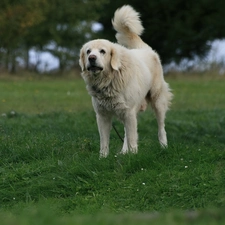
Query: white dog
point(122, 79)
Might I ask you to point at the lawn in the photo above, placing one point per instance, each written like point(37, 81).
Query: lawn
point(50, 172)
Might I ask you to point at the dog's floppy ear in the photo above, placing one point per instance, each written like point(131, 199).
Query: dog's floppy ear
point(115, 59)
point(81, 60)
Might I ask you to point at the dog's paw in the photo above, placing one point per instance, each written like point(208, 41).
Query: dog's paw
point(103, 155)
point(132, 150)
point(163, 145)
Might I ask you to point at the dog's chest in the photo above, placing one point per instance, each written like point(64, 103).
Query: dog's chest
point(107, 99)
point(101, 93)
point(113, 105)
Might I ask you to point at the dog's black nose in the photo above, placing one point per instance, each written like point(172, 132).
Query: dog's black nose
point(92, 58)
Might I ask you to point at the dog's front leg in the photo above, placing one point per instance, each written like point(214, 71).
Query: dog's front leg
point(125, 146)
point(131, 136)
point(104, 127)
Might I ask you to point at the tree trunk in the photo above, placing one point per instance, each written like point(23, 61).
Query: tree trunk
point(27, 59)
point(13, 63)
point(7, 59)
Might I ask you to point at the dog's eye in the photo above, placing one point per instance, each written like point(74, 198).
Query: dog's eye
point(102, 51)
point(88, 51)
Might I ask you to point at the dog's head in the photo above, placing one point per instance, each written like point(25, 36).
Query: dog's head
point(99, 55)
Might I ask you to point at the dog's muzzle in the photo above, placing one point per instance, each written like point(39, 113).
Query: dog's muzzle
point(92, 64)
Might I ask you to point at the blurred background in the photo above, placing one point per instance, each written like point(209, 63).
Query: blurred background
point(45, 36)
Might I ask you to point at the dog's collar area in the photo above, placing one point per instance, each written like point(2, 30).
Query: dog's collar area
point(100, 93)
point(96, 89)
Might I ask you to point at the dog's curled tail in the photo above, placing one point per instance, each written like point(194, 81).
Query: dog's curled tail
point(128, 25)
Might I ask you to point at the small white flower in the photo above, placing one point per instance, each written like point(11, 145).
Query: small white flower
point(115, 156)
point(181, 159)
point(60, 163)
point(14, 198)
point(186, 167)
point(143, 183)
point(142, 169)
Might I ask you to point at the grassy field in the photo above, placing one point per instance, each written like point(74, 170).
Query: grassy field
point(50, 172)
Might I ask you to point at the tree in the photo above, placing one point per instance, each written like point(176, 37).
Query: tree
point(68, 26)
point(16, 17)
point(26, 24)
point(176, 29)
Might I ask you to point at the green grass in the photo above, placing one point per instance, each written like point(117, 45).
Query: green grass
point(32, 96)
point(50, 171)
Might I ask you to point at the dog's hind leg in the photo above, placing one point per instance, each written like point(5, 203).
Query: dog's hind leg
point(160, 102)
point(160, 116)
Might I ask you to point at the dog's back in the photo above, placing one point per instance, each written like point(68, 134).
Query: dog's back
point(128, 25)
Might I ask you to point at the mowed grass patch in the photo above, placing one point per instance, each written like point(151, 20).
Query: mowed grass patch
point(50, 157)
point(41, 216)
point(198, 92)
point(35, 96)
point(56, 156)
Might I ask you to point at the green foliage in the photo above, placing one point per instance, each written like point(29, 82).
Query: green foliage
point(16, 17)
point(175, 29)
point(27, 24)
point(50, 170)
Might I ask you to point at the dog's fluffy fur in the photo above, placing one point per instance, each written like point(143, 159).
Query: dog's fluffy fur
point(123, 78)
